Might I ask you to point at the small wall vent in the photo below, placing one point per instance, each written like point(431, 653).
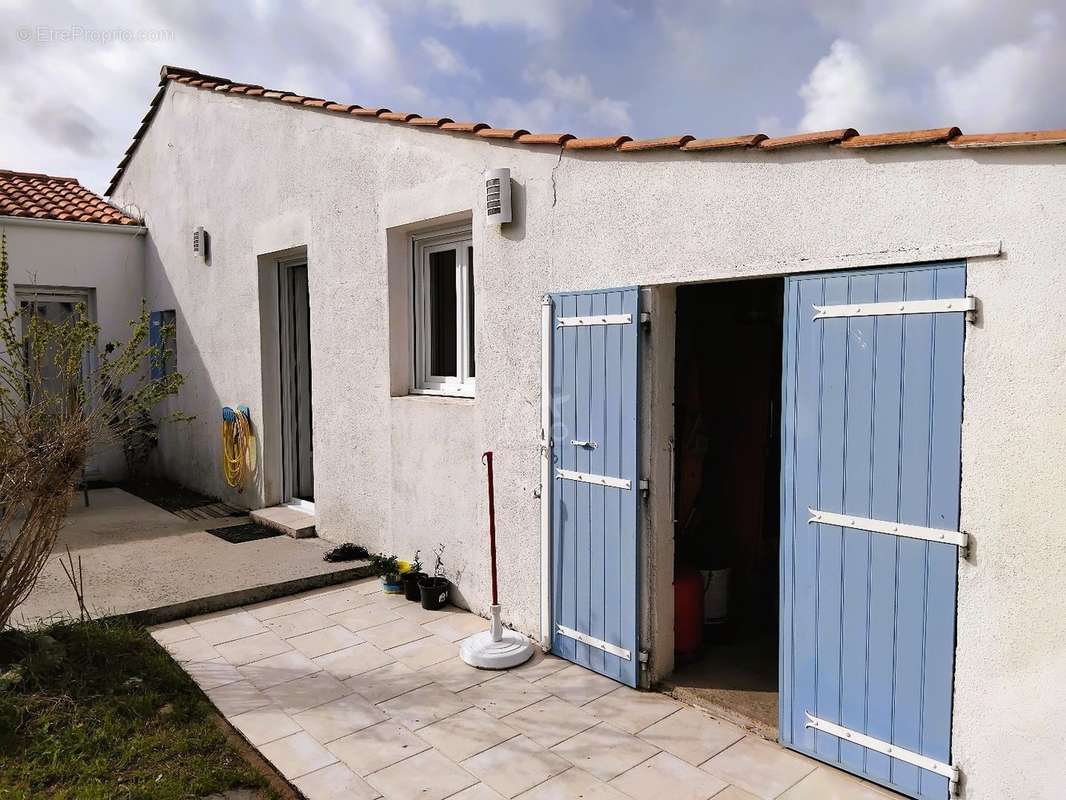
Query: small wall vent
point(497, 196)
point(200, 244)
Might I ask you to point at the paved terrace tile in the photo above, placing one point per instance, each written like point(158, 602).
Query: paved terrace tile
point(355, 695)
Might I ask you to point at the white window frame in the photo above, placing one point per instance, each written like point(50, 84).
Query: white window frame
point(60, 294)
point(423, 380)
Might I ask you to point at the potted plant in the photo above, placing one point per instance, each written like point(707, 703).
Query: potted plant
point(434, 589)
point(412, 577)
point(389, 570)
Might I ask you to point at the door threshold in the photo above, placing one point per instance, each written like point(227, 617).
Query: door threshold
point(306, 506)
point(703, 701)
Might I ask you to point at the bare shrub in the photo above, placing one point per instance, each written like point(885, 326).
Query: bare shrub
point(61, 395)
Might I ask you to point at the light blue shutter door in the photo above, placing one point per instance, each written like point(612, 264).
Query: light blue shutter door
point(872, 418)
point(594, 527)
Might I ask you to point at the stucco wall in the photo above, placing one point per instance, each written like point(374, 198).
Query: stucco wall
point(405, 472)
point(110, 262)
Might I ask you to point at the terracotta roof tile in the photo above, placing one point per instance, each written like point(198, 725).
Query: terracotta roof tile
point(1019, 139)
point(664, 143)
point(804, 139)
point(502, 133)
point(596, 143)
point(844, 137)
point(931, 136)
point(31, 194)
point(545, 138)
point(464, 127)
point(430, 122)
point(397, 116)
point(725, 142)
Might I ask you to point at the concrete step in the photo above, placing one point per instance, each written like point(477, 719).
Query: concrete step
point(291, 521)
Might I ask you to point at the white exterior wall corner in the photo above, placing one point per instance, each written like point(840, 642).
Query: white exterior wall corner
point(109, 262)
point(405, 473)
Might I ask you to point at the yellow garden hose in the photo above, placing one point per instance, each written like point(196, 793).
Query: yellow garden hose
point(238, 446)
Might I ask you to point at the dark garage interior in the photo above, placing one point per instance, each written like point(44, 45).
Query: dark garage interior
point(727, 498)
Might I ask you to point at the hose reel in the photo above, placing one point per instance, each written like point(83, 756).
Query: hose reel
point(238, 446)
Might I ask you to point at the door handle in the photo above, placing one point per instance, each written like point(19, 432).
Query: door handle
point(578, 443)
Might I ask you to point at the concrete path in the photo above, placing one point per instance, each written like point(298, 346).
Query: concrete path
point(137, 557)
point(354, 694)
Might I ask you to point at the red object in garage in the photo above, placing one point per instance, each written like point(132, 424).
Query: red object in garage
point(688, 613)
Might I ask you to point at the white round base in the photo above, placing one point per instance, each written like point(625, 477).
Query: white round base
point(481, 651)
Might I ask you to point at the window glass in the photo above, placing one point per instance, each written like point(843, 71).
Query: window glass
point(470, 308)
point(442, 314)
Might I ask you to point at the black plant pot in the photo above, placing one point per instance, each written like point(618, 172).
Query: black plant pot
point(410, 585)
point(434, 593)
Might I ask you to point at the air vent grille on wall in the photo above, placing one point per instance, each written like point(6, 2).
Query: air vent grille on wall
point(200, 243)
point(498, 196)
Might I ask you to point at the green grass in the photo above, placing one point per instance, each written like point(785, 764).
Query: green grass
point(77, 726)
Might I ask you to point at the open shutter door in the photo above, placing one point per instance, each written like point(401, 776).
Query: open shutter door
point(870, 514)
point(595, 487)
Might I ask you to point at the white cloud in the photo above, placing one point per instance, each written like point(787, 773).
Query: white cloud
point(983, 66)
point(845, 90)
point(563, 103)
point(446, 60)
point(544, 17)
point(1016, 85)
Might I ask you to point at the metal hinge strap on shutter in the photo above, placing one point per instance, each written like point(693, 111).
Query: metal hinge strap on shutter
point(599, 319)
point(591, 641)
point(959, 538)
point(917, 759)
point(955, 304)
point(596, 480)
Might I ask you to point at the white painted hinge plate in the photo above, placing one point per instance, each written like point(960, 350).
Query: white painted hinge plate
point(925, 762)
point(599, 319)
point(596, 480)
point(960, 304)
point(959, 538)
point(592, 641)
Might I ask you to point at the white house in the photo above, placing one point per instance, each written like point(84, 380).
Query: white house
point(68, 246)
point(827, 366)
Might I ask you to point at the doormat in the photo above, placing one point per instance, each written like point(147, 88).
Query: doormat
point(179, 500)
point(236, 534)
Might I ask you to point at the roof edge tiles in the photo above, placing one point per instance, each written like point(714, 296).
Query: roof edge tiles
point(846, 138)
point(663, 143)
point(1018, 139)
point(597, 143)
point(502, 133)
point(805, 139)
point(35, 195)
point(930, 136)
point(545, 138)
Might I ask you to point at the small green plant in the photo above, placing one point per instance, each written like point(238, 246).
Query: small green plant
point(416, 562)
point(384, 565)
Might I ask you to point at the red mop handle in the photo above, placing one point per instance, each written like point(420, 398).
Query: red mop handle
point(486, 458)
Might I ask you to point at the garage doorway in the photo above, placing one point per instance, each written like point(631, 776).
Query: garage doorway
point(296, 404)
point(727, 498)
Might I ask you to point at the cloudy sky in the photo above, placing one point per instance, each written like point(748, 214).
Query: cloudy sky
point(76, 76)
